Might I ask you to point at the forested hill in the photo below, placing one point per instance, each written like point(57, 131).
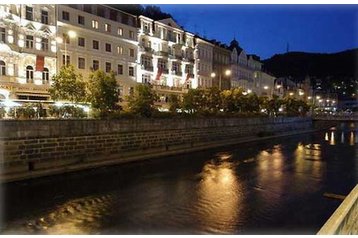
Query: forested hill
point(299, 64)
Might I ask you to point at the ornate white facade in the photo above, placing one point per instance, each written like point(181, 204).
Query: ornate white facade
point(27, 51)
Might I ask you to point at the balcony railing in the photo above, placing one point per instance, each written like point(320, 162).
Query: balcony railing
point(147, 67)
point(170, 89)
point(177, 73)
point(161, 53)
point(190, 60)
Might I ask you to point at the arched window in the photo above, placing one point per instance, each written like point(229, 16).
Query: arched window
point(29, 74)
point(45, 75)
point(2, 68)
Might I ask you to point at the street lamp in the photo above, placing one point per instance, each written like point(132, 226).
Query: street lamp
point(70, 34)
point(227, 73)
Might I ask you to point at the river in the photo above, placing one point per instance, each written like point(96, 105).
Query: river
point(268, 187)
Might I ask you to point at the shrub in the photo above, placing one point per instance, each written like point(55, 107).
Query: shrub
point(67, 111)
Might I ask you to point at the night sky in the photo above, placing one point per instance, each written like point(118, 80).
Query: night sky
point(265, 30)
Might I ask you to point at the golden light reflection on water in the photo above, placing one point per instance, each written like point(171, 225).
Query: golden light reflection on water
point(326, 136)
point(75, 217)
point(219, 196)
point(308, 160)
point(332, 141)
point(351, 138)
point(342, 137)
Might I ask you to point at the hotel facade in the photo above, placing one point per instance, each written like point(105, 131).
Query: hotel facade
point(37, 40)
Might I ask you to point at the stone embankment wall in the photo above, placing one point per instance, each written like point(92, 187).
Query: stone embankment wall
point(33, 145)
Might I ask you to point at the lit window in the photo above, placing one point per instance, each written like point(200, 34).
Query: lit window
point(107, 27)
point(120, 50)
point(120, 31)
point(131, 34)
point(94, 24)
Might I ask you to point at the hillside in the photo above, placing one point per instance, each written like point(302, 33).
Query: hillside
point(338, 72)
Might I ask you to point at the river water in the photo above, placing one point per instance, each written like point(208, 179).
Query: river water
point(267, 187)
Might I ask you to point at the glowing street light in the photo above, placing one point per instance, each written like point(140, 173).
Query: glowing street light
point(70, 34)
point(266, 87)
point(249, 91)
point(227, 73)
point(291, 93)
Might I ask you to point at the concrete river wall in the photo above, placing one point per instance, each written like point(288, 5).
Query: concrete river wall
point(35, 148)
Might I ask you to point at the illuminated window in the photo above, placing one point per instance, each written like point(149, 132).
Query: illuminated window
point(94, 24)
point(107, 27)
point(120, 31)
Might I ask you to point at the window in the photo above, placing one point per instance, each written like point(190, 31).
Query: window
point(94, 24)
point(45, 76)
point(131, 71)
point(29, 13)
point(131, 34)
point(44, 17)
point(120, 31)
point(81, 63)
point(81, 20)
point(131, 52)
point(120, 50)
point(95, 65)
point(108, 47)
point(2, 68)
point(81, 41)
point(29, 74)
point(145, 78)
point(29, 42)
point(108, 67)
point(95, 45)
point(107, 27)
point(87, 8)
point(2, 34)
point(44, 44)
point(120, 69)
point(65, 15)
point(65, 60)
point(113, 15)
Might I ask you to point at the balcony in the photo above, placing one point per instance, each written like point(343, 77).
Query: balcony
point(169, 89)
point(188, 60)
point(177, 73)
point(161, 53)
point(190, 75)
point(146, 49)
point(147, 68)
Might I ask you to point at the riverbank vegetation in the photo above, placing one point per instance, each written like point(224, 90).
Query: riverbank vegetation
point(99, 97)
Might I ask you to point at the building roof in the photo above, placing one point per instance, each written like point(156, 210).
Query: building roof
point(234, 44)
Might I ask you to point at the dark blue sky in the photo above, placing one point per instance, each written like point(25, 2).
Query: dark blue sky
point(266, 29)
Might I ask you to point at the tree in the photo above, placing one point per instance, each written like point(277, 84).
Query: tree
point(142, 102)
point(212, 100)
point(174, 103)
point(193, 101)
point(68, 86)
point(103, 92)
point(274, 105)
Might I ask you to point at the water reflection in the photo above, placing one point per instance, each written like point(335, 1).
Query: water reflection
point(219, 195)
point(332, 140)
point(78, 216)
point(342, 137)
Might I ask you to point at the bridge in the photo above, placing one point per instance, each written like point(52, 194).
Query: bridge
point(323, 117)
point(344, 220)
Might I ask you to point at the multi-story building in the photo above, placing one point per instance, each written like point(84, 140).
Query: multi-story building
point(165, 57)
point(27, 51)
point(99, 37)
point(247, 72)
point(204, 51)
point(221, 66)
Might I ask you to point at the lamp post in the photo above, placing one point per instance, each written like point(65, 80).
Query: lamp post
point(227, 73)
point(70, 34)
